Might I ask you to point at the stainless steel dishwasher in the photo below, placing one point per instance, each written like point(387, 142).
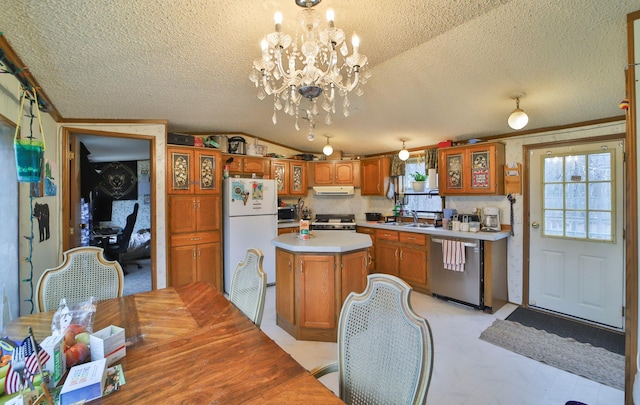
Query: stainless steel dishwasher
point(461, 286)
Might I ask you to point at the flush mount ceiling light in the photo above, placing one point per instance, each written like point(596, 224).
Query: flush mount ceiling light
point(404, 153)
point(518, 118)
point(318, 65)
point(328, 149)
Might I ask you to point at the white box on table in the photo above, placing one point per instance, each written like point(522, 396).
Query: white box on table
point(57, 363)
point(108, 343)
point(84, 382)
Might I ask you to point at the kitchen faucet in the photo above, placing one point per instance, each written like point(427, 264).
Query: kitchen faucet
point(415, 216)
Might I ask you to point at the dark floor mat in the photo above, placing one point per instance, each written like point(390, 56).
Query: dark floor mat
point(609, 340)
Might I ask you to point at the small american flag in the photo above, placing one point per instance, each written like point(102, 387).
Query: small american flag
point(12, 381)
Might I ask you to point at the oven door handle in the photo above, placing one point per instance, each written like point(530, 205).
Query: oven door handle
point(472, 245)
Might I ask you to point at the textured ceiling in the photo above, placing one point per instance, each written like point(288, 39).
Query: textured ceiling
point(441, 69)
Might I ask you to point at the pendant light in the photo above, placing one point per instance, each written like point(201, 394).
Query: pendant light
point(404, 153)
point(328, 149)
point(518, 118)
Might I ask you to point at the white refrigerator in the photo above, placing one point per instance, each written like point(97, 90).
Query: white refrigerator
point(250, 221)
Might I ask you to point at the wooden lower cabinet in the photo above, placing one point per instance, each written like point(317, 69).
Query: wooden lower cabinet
point(199, 262)
point(311, 288)
point(317, 303)
point(285, 287)
point(405, 255)
point(372, 250)
point(412, 266)
point(387, 258)
point(292, 229)
point(354, 272)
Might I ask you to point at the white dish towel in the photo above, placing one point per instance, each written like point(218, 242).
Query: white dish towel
point(453, 255)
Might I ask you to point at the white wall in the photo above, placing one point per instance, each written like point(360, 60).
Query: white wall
point(34, 259)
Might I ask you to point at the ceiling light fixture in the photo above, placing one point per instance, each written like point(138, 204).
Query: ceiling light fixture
point(404, 153)
point(328, 149)
point(518, 118)
point(319, 65)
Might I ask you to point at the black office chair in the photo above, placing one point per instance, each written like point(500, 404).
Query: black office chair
point(112, 251)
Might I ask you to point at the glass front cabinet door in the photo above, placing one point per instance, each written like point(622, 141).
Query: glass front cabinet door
point(471, 170)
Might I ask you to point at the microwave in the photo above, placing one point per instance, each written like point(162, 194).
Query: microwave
point(286, 214)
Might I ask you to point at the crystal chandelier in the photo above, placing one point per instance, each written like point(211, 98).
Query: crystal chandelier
point(319, 65)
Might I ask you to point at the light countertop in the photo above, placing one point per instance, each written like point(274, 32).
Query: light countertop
point(490, 236)
point(289, 224)
point(323, 242)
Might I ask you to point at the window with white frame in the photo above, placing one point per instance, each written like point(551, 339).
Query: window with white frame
point(421, 203)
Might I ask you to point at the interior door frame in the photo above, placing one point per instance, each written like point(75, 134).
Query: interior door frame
point(70, 192)
point(527, 149)
point(630, 264)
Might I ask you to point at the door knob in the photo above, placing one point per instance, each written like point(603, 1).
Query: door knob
point(535, 225)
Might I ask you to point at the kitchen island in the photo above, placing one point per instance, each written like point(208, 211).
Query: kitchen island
point(314, 277)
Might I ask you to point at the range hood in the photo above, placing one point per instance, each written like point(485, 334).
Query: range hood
point(333, 190)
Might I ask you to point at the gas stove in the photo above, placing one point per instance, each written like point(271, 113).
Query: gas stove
point(334, 222)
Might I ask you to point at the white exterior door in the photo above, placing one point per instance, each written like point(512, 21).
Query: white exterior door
point(576, 257)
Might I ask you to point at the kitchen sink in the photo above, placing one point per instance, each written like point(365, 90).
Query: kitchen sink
point(419, 225)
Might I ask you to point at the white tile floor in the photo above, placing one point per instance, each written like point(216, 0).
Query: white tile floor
point(466, 369)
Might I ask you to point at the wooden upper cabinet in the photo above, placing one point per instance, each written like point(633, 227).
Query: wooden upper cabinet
point(193, 171)
point(298, 178)
point(344, 173)
point(471, 170)
point(248, 164)
point(323, 173)
point(257, 165)
point(374, 175)
point(290, 177)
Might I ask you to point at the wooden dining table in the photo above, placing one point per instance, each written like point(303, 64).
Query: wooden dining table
point(190, 345)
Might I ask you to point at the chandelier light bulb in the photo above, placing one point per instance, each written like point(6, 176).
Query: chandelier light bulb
point(404, 153)
point(518, 119)
point(355, 41)
point(330, 17)
point(277, 18)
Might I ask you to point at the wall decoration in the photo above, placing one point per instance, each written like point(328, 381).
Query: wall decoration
point(119, 180)
point(41, 212)
point(47, 185)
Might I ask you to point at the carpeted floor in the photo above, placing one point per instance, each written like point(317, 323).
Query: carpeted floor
point(584, 333)
point(137, 279)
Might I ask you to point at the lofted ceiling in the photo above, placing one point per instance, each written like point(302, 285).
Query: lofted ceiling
point(441, 69)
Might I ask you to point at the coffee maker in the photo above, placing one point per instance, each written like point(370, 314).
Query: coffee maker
point(491, 219)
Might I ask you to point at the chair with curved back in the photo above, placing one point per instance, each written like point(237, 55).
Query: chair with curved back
point(249, 286)
point(385, 350)
point(84, 273)
point(112, 251)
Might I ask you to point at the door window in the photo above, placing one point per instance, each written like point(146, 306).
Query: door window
point(578, 199)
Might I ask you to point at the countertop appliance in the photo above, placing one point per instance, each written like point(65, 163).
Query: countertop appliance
point(287, 214)
point(237, 145)
point(461, 286)
point(250, 221)
point(334, 222)
point(491, 219)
